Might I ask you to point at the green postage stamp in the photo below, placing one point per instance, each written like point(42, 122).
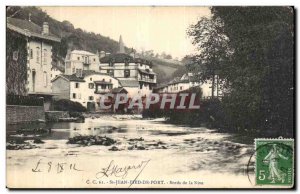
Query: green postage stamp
point(274, 162)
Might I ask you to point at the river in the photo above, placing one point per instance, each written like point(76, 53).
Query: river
point(169, 156)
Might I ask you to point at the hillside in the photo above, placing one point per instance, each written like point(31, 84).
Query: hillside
point(76, 38)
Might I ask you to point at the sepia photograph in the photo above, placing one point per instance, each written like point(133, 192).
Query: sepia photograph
point(150, 97)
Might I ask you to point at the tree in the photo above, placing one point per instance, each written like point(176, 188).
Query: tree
point(251, 50)
point(261, 67)
point(207, 34)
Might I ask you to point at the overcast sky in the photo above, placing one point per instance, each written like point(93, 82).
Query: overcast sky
point(143, 28)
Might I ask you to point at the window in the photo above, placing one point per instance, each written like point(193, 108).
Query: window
point(38, 54)
point(141, 86)
point(181, 88)
point(110, 72)
point(45, 57)
point(79, 72)
point(31, 54)
point(45, 79)
point(78, 58)
point(91, 79)
point(126, 73)
point(15, 55)
point(91, 85)
point(91, 97)
point(76, 85)
point(94, 60)
point(74, 95)
point(110, 80)
point(111, 62)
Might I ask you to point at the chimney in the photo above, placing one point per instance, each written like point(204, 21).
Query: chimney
point(45, 28)
point(102, 54)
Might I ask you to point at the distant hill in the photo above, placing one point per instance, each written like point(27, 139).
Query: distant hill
point(164, 68)
point(76, 38)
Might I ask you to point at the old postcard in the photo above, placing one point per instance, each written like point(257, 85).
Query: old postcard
point(150, 97)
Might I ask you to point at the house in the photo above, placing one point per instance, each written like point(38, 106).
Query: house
point(78, 60)
point(29, 59)
point(184, 83)
point(135, 74)
point(87, 89)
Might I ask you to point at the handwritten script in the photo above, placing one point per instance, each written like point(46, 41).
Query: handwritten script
point(58, 167)
point(114, 169)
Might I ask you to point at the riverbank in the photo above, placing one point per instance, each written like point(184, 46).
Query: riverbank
point(172, 153)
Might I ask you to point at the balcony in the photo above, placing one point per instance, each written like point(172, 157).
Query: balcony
point(102, 87)
point(102, 91)
point(145, 79)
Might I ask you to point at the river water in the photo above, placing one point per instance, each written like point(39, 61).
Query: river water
point(167, 155)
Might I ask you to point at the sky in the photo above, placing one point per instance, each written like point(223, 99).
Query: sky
point(162, 29)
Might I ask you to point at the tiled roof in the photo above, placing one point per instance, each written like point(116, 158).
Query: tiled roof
point(117, 58)
point(177, 80)
point(70, 78)
point(129, 83)
point(122, 57)
point(29, 29)
point(91, 72)
point(118, 90)
point(146, 72)
point(161, 86)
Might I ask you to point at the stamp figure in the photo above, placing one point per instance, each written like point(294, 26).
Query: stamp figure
point(274, 161)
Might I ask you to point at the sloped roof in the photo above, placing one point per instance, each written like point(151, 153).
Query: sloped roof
point(29, 29)
point(70, 78)
point(82, 52)
point(91, 72)
point(129, 83)
point(117, 58)
point(146, 72)
point(54, 65)
point(118, 90)
point(177, 80)
point(160, 86)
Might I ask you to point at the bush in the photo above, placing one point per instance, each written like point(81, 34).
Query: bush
point(68, 105)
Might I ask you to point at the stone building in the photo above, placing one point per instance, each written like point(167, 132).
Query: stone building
point(135, 74)
point(87, 89)
point(29, 59)
point(78, 60)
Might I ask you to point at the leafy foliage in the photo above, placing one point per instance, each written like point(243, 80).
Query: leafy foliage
point(68, 105)
point(256, 60)
point(17, 67)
